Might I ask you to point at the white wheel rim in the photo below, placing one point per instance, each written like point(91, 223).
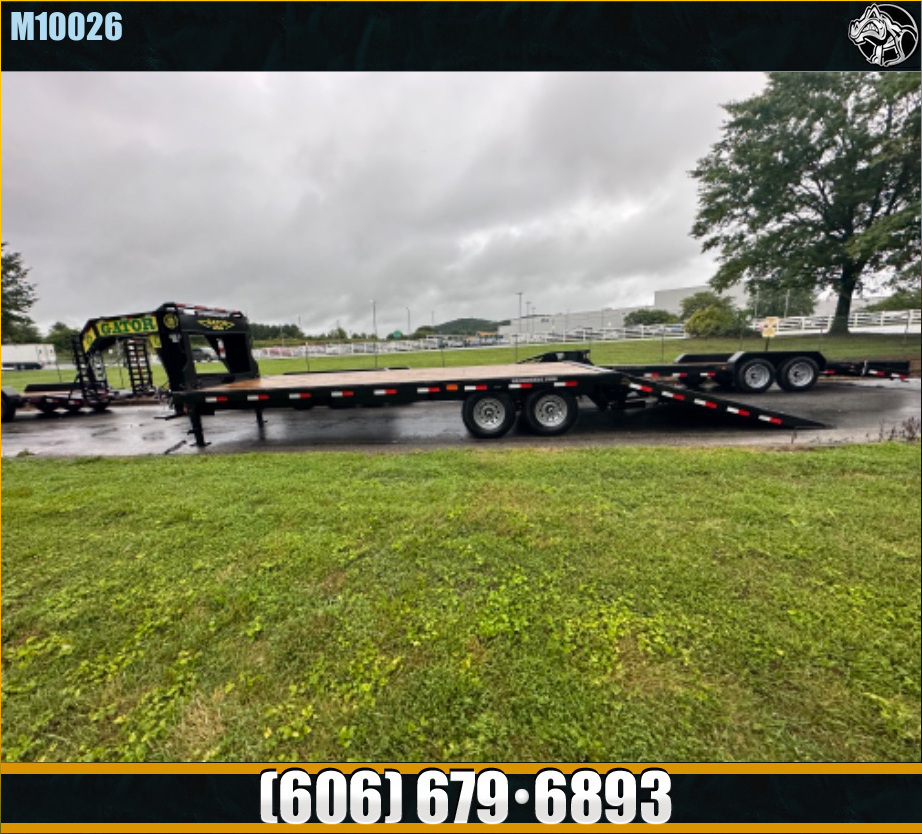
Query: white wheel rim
point(489, 413)
point(551, 411)
point(800, 374)
point(757, 376)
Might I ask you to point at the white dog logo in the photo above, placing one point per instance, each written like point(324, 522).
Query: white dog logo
point(885, 34)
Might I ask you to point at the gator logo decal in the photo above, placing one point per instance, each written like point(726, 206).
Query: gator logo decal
point(216, 324)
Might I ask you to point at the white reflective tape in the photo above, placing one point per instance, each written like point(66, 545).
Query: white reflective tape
point(211, 399)
point(337, 393)
point(252, 397)
point(700, 402)
point(765, 417)
point(668, 394)
point(733, 410)
point(633, 385)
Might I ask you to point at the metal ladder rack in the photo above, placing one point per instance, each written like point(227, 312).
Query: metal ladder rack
point(91, 378)
point(137, 360)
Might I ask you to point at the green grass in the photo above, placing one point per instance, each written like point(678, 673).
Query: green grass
point(609, 605)
point(855, 346)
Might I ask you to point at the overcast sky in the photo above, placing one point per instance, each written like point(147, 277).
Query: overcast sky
point(305, 196)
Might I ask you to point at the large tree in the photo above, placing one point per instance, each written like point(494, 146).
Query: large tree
point(815, 184)
point(17, 299)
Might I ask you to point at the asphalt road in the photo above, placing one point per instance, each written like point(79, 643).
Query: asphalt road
point(854, 411)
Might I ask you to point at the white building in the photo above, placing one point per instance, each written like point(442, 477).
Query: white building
point(607, 318)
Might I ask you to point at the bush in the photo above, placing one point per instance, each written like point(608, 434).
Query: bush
point(717, 321)
point(647, 317)
point(900, 300)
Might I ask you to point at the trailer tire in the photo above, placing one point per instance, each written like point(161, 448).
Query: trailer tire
point(9, 408)
point(488, 415)
point(550, 413)
point(798, 374)
point(754, 376)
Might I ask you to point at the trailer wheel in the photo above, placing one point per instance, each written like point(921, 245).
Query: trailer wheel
point(755, 376)
point(488, 415)
point(798, 374)
point(9, 408)
point(549, 413)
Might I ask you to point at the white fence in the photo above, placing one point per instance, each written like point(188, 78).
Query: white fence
point(900, 321)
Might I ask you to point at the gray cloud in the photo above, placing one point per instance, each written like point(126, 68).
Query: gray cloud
point(308, 195)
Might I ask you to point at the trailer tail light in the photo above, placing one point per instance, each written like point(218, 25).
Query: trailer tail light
point(301, 395)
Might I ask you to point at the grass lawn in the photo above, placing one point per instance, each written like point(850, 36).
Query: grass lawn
point(475, 605)
point(855, 346)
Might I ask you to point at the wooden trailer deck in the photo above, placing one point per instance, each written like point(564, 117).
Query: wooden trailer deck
point(538, 371)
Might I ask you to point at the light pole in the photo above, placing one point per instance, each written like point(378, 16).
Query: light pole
point(374, 328)
point(518, 325)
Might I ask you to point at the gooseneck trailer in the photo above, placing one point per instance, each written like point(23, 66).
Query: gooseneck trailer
point(544, 393)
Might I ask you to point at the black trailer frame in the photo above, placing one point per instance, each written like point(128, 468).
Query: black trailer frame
point(542, 391)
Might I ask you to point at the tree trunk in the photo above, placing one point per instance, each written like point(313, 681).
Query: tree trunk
point(844, 303)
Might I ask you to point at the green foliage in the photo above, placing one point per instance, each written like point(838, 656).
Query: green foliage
point(711, 322)
point(702, 301)
point(466, 327)
point(648, 317)
point(60, 335)
point(906, 299)
point(18, 298)
point(816, 183)
point(767, 299)
point(269, 332)
point(464, 606)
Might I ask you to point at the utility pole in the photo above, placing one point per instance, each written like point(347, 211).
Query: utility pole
point(374, 328)
point(518, 325)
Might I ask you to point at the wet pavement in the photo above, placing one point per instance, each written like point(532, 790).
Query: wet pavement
point(854, 411)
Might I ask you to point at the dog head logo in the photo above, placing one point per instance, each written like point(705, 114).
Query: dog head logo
point(885, 34)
